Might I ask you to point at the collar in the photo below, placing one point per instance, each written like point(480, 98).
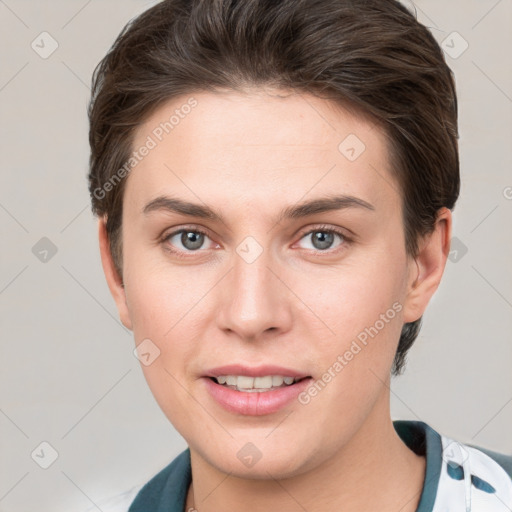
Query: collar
point(458, 477)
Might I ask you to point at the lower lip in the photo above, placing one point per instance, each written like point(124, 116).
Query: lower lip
point(255, 403)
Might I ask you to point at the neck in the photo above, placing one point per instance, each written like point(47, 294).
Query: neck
point(374, 471)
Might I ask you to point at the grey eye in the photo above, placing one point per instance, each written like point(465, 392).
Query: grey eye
point(190, 239)
point(322, 239)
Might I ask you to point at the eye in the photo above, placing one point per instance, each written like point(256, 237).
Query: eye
point(190, 239)
point(321, 239)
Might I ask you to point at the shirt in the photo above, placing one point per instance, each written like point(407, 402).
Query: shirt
point(458, 477)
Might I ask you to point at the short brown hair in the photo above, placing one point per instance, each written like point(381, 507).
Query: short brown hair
point(372, 54)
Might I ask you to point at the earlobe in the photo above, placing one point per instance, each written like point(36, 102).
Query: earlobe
point(427, 268)
point(114, 280)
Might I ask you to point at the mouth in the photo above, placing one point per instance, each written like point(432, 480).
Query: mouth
point(250, 395)
point(255, 391)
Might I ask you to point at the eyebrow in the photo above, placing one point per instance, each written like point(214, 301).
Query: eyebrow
point(304, 209)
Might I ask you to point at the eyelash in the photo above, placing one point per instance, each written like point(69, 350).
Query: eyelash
point(192, 229)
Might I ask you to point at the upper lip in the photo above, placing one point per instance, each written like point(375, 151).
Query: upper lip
point(255, 371)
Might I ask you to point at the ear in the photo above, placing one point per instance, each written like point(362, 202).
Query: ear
point(426, 270)
point(114, 280)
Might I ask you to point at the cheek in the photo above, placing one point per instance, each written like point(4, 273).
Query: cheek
point(351, 299)
point(170, 390)
point(168, 306)
point(163, 307)
point(159, 296)
point(364, 309)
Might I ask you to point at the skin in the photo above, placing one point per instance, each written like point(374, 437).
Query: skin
point(249, 155)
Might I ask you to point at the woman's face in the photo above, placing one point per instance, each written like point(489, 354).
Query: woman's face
point(300, 271)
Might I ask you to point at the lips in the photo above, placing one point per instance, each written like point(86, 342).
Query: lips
point(251, 400)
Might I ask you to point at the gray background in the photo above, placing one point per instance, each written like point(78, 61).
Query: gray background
point(68, 374)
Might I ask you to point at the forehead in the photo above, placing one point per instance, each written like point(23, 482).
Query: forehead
point(263, 147)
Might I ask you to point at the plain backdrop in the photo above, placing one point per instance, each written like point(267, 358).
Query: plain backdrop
point(68, 374)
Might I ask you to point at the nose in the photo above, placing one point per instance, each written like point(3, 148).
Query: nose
point(254, 299)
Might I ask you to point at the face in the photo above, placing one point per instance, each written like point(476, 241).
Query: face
point(292, 263)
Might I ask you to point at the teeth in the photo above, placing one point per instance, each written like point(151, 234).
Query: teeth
point(263, 382)
point(277, 380)
point(252, 384)
point(245, 382)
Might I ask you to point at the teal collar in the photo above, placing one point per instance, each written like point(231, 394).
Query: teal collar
point(423, 440)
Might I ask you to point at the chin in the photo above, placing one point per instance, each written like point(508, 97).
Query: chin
point(249, 462)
